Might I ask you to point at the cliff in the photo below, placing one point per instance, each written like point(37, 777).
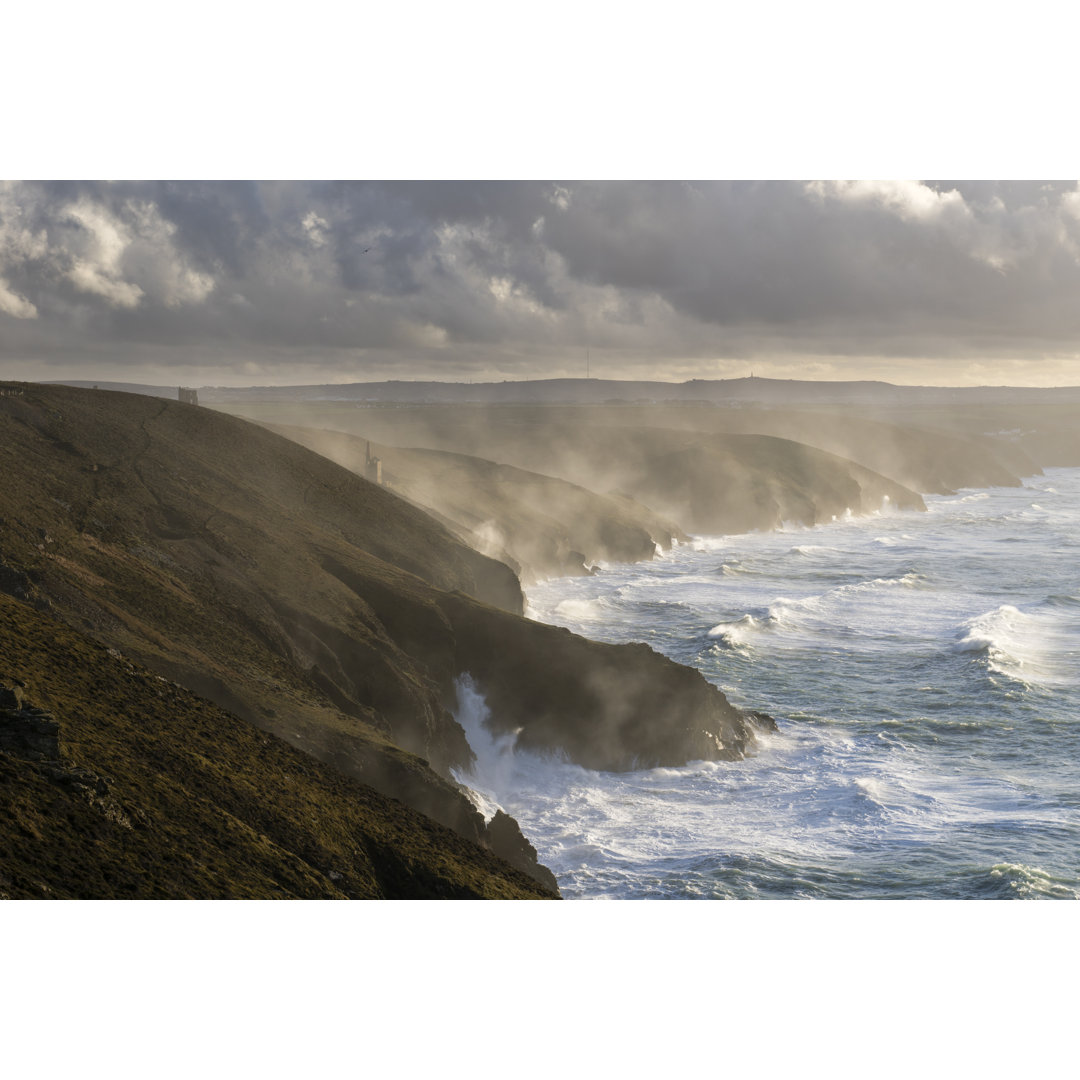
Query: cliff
point(541, 526)
point(702, 481)
point(306, 601)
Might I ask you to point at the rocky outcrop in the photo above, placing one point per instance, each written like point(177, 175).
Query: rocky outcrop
point(506, 840)
point(612, 707)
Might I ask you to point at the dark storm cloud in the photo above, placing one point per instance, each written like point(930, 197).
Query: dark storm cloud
point(453, 278)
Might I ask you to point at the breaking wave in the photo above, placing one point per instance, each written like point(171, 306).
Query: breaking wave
point(1033, 648)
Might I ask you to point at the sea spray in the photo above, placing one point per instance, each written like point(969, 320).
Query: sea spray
point(490, 776)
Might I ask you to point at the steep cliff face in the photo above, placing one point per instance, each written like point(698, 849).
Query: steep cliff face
point(195, 545)
point(311, 603)
point(735, 483)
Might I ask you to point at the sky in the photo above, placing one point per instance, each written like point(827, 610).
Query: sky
point(234, 282)
point(215, 279)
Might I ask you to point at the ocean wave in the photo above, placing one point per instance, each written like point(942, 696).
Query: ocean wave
point(1011, 643)
point(978, 496)
point(910, 580)
point(993, 632)
point(785, 611)
point(1005, 881)
point(811, 549)
point(738, 634)
point(1061, 600)
point(872, 791)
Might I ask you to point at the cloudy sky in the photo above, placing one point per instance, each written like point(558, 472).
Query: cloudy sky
point(229, 283)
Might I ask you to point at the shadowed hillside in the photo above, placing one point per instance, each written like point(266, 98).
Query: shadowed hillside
point(309, 602)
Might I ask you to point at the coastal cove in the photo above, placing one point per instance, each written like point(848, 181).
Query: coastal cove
point(921, 668)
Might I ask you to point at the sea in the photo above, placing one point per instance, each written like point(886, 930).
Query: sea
point(923, 669)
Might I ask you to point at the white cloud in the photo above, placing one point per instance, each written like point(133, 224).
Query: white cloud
point(1070, 203)
point(13, 304)
point(152, 256)
point(107, 251)
point(101, 240)
point(317, 229)
point(909, 200)
point(19, 244)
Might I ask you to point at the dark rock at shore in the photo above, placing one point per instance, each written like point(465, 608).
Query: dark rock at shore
point(506, 840)
point(611, 707)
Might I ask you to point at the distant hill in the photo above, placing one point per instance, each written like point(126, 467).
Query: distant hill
point(744, 391)
point(147, 389)
point(792, 392)
point(929, 453)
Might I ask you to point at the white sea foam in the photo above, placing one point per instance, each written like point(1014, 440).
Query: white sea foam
point(910, 580)
point(994, 632)
point(1029, 881)
point(889, 745)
